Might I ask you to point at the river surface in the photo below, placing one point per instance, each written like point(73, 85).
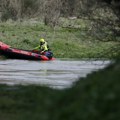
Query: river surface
point(57, 74)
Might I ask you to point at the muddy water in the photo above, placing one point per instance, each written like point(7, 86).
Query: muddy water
point(57, 74)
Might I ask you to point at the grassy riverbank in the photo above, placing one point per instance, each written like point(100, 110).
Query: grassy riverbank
point(65, 42)
point(96, 97)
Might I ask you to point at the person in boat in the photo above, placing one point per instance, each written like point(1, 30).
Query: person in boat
point(43, 48)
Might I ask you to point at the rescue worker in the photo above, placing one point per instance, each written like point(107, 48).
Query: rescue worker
point(43, 48)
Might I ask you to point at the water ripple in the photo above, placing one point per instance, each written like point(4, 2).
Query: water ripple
point(56, 74)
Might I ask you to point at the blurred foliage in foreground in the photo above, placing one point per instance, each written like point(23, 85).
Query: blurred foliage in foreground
point(93, 98)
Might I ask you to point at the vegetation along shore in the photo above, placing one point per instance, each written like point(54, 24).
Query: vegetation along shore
point(65, 42)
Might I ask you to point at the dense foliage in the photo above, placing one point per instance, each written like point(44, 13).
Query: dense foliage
point(103, 15)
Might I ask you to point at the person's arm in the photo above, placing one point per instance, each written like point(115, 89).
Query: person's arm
point(37, 48)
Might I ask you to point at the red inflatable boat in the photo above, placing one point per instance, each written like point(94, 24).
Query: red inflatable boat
point(7, 51)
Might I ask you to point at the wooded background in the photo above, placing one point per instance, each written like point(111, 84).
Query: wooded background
point(103, 14)
point(16, 9)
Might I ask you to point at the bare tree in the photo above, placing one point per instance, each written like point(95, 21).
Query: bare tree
point(52, 12)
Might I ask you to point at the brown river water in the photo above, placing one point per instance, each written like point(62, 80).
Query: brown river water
point(58, 74)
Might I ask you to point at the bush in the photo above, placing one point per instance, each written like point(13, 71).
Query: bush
point(8, 14)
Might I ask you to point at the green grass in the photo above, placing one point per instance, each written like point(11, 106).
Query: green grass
point(64, 42)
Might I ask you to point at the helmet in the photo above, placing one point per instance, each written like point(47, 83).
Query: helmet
point(42, 40)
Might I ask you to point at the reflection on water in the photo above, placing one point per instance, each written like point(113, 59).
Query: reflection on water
point(58, 74)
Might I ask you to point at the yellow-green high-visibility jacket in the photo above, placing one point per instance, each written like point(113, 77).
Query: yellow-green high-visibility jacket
point(43, 47)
